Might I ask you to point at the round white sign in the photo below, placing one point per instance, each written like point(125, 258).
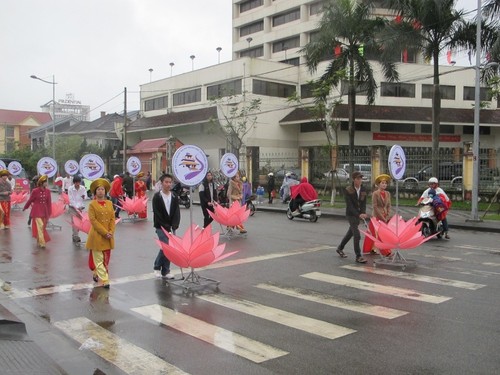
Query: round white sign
point(91, 166)
point(190, 165)
point(2, 165)
point(397, 162)
point(134, 165)
point(15, 168)
point(71, 167)
point(229, 164)
point(46, 166)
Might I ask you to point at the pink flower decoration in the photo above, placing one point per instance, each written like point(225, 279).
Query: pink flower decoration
point(57, 209)
point(235, 215)
point(64, 198)
point(134, 205)
point(397, 233)
point(197, 248)
point(18, 197)
point(83, 224)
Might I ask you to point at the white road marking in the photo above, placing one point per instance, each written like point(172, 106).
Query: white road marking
point(441, 257)
point(377, 288)
point(342, 303)
point(423, 278)
point(300, 322)
point(481, 248)
point(491, 264)
point(232, 342)
point(123, 354)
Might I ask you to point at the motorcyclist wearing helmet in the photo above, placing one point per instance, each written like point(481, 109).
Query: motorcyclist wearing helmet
point(434, 187)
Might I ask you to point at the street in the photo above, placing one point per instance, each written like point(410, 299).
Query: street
point(285, 304)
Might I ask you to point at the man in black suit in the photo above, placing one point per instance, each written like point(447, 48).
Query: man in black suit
point(166, 215)
point(128, 185)
point(355, 210)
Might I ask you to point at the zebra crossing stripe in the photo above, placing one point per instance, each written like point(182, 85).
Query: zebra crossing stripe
point(342, 303)
point(232, 342)
point(123, 354)
point(377, 288)
point(473, 247)
point(423, 278)
point(300, 322)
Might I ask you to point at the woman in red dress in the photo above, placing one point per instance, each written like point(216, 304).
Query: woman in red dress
point(41, 208)
point(140, 192)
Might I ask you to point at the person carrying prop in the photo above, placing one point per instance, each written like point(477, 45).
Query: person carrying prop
point(234, 192)
point(5, 192)
point(116, 193)
point(100, 240)
point(41, 209)
point(355, 210)
point(140, 192)
point(381, 210)
point(208, 195)
point(434, 186)
point(301, 193)
point(77, 194)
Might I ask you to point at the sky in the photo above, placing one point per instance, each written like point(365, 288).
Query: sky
point(95, 48)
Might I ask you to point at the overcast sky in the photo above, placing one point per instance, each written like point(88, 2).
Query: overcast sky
point(95, 48)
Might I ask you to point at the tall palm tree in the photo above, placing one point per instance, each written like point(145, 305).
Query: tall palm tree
point(430, 26)
point(349, 28)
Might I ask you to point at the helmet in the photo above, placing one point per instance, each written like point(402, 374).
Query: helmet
point(433, 180)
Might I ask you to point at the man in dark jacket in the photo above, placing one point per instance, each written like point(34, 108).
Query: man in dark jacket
point(355, 199)
point(166, 215)
point(271, 185)
point(128, 185)
point(208, 195)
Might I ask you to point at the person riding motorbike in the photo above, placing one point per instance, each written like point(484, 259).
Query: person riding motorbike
point(434, 189)
point(285, 190)
point(300, 194)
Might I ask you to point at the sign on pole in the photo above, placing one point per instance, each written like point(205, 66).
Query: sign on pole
point(46, 166)
point(91, 166)
point(229, 164)
point(190, 165)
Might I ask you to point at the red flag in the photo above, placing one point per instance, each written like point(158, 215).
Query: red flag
point(338, 50)
point(448, 56)
point(398, 19)
point(405, 56)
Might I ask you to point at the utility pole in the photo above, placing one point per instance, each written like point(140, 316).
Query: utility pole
point(125, 131)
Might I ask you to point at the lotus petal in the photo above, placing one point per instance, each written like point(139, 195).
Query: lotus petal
point(233, 216)
point(18, 197)
point(57, 209)
point(134, 205)
point(64, 198)
point(82, 223)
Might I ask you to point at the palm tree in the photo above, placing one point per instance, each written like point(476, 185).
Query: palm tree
point(430, 26)
point(349, 28)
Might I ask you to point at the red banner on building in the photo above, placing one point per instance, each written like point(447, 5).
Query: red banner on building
point(413, 137)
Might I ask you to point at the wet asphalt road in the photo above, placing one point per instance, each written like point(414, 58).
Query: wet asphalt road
point(285, 289)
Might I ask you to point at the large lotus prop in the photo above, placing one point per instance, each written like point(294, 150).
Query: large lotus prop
point(18, 197)
point(232, 216)
point(82, 222)
point(397, 233)
point(57, 209)
point(134, 205)
point(64, 198)
point(197, 248)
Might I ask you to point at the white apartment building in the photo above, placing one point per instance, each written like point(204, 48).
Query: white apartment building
point(267, 37)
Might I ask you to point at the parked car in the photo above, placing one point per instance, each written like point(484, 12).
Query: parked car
point(339, 174)
point(447, 172)
point(365, 169)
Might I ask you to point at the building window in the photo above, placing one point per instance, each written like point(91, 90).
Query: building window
point(9, 132)
point(483, 130)
point(281, 19)
point(361, 88)
point(409, 56)
point(316, 8)
point(388, 127)
point(443, 129)
point(286, 44)
point(253, 52)
point(224, 89)
point(309, 127)
point(252, 28)
point(470, 94)
point(358, 126)
point(306, 91)
point(295, 61)
point(447, 92)
point(187, 97)
point(156, 103)
point(398, 90)
point(272, 89)
point(250, 4)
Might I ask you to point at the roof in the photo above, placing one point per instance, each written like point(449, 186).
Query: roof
point(13, 117)
point(401, 114)
point(149, 145)
point(173, 119)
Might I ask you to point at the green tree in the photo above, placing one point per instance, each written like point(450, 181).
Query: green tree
point(350, 25)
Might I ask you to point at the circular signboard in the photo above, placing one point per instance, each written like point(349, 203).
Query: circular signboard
point(71, 167)
point(190, 165)
point(134, 165)
point(2, 165)
point(91, 166)
point(46, 166)
point(15, 168)
point(229, 164)
point(397, 162)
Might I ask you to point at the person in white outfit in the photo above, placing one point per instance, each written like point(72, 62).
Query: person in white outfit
point(67, 182)
point(433, 185)
point(77, 195)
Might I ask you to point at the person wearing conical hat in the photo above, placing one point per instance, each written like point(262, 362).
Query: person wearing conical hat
point(41, 208)
point(5, 192)
point(381, 210)
point(100, 240)
point(140, 192)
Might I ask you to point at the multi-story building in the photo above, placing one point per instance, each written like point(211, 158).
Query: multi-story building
point(67, 107)
point(15, 126)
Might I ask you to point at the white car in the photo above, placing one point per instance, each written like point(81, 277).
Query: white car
point(340, 174)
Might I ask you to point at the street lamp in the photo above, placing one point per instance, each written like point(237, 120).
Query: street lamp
point(171, 66)
point(150, 74)
point(218, 51)
point(53, 83)
point(192, 61)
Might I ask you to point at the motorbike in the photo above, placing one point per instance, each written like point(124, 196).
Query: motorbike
point(183, 193)
point(250, 205)
point(426, 215)
point(309, 210)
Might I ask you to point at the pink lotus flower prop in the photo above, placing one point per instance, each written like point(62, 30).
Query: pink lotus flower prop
point(57, 209)
point(235, 215)
point(64, 198)
point(82, 223)
point(18, 197)
point(397, 233)
point(134, 205)
point(197, 248)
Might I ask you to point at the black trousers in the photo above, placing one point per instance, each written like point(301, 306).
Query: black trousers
point(353, 231)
